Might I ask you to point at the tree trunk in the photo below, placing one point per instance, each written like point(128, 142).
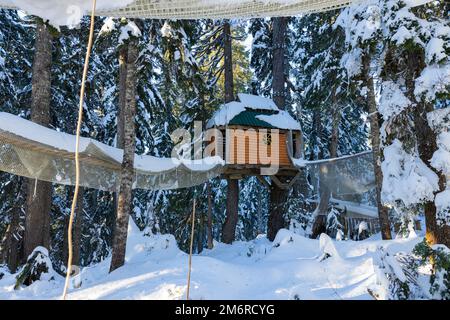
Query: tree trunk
point(383, 214)
point(127, 172)
point(426, 145)
point(277, 209)
point(11, 245)
point(76, 258)
point(278, 196)
point(325, 192)
point(65, 244)
point(39, 195)
point(200, 232)
point(278, 64)
point(259, 215)
point(12, 242)
point(123, 56)
point(228, 63)
point(210, 222)
point(319, 225)
point(229, 226)
point(123, 53)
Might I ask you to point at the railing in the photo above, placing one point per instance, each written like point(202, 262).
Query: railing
point(352, 226)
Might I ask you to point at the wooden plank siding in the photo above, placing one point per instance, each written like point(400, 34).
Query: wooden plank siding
point(244, 147)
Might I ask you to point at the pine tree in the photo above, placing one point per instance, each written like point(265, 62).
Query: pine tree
point(278, 196)
point(229, 226)
point(67, 66)
point(415, 49)
point(16, 36)
point(261, 56)
point(322, 69)
point(127, 104)
point(190, 98)
point(325, 94)
point(70, 45)
point(362, 61)
point(253, 206)
point(39, 194)
point(100, 123)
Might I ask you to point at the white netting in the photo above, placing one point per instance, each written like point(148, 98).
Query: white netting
point(36, 152)
point(199, 9)
point(348, 175)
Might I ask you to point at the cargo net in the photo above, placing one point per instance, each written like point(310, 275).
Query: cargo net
point(217, 9)
point(36, 152)
point(344, 176)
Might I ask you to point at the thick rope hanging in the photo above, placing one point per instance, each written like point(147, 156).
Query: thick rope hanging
point(190, 252)
point(77, 147)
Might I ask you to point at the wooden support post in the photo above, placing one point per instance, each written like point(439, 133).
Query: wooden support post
point(285, 186)
point(263, 182)
point(296, 177)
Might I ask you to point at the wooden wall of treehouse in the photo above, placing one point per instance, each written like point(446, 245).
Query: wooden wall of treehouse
point(253, 146)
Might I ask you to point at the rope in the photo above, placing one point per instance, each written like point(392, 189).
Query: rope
point(77, 146)
point(190, 252)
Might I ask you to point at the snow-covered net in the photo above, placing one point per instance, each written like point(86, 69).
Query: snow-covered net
point(178, 9)
point(348, 175)
point(36, 152)
point(198, 9)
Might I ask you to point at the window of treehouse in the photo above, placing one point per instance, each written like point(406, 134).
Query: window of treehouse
point(267, 139)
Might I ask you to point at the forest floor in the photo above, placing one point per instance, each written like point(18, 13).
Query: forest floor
point(292, 267)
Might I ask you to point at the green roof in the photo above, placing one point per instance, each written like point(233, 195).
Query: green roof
point(249, 118)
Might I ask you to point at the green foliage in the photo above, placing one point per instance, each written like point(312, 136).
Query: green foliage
point(253, 208)
point(404, 272)
point(397, 277)
point(439, 258)
point(334, 223)
point(37, 267)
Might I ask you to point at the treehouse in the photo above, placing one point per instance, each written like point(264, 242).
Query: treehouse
point(255, 138)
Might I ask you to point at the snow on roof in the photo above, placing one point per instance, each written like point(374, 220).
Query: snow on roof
point(354, 207)
point(280, 119)
point(257, 102)
point(225, 114)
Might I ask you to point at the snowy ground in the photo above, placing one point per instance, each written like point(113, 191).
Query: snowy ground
point(288, 268)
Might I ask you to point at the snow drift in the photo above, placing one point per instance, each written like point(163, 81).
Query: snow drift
point(292, 267)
